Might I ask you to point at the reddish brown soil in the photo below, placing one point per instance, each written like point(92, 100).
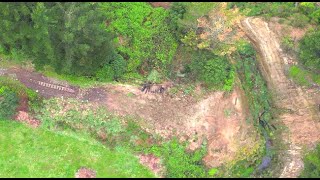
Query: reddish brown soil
point(165, 5)
point(85, 173)
point(215, 117)
point(152, 162)
point(24, 117)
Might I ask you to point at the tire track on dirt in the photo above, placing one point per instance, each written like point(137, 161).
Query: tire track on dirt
point(48, 87)
point(304, 121)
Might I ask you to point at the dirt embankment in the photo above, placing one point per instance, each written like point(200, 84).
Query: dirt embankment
point(217, 117)
point(301, 115)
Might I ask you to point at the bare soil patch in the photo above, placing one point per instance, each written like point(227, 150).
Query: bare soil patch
point(217, 118)
point(152, 162)
point(85, 173)
point(24, 117)
point(165, 5)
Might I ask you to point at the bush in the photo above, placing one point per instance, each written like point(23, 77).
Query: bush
point(178, 162)
point(215, 72)
point(287, 44)
point(309, 51)
point(15, 87)
point(298, 75)
point(299, 20)
point(315, 16)
point(154, 76)
point(119, 66)
point(106, 74)
point(8, 102)
point(312, 164)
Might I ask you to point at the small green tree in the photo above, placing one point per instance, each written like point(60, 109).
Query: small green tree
point(312, 164)
point(309, 51)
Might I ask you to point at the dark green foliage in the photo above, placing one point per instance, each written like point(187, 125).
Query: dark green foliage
point(119, 66)
point(105, 74)
point(146, 38)
point(280, 9)
point(214, 71)
point(288, 44)
point(8, 102)
point(20, 91)
point(78, 38)
point(309, 51)
point(300, 15)
point(312, 164)
point(16, 30)
point(176, 12)
point(178, 162)
point(70, 37)
point(299, 20)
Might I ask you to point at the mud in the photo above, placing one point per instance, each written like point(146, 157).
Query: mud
point(304, 121)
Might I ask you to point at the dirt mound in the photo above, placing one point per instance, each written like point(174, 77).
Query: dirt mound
point(165, 5)
point(85, 173)
point(152, 162)
point(301, 116)
point(23, 116)
point(218, 118)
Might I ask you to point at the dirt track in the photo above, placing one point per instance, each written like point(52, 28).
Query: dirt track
point(302, 116)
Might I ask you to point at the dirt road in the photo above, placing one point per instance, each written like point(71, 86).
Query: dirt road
point(301, 115)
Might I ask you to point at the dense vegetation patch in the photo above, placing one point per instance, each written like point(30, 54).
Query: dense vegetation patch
point(309, 51)
point(11, 91)
point(70, 37)
point(312, 164)
point(298, 13)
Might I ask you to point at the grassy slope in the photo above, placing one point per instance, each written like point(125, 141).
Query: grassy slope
point(26, 152)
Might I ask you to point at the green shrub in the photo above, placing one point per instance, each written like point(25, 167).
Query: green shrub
point(312, 164)
point(8, 102)
point(106, 74)
point(20, 90)
point(299, 20)
point(119, 66)
point(154, 76)
point(287, 44)
point(298, 75)
point(215, 71)
point(315, 16)
point(309, 51)
point(178, 162)
point(307, 7)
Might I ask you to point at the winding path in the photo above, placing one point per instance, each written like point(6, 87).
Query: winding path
point(301, 117)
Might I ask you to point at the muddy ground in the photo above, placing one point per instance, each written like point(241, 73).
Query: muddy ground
point(217, 117)
point(299, 105)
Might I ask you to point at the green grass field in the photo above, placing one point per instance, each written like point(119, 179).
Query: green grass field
point(28, 152)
